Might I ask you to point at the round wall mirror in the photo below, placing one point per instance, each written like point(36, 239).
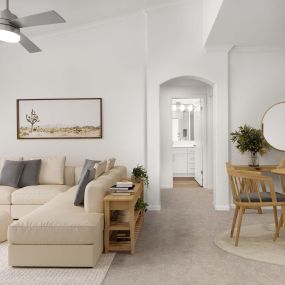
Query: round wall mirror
point(273, 125)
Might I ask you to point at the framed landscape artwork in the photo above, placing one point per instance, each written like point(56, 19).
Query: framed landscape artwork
point(66, 118)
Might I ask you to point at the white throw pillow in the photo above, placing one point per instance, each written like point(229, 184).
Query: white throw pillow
point(52, 170)
point(2, 160)
point(110, 164)
point(100, 168)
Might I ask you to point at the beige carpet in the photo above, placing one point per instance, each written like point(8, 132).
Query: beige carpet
point(53, 276)
point(176, 247)
point(255, 243)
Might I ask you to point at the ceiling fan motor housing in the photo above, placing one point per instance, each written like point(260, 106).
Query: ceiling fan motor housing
point(5, 24)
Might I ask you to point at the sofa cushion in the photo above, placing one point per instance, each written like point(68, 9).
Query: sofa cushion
point(31, 172)
point(57, 222)
point(11, 173)
point(37, 195)
point(52, 170)
point(100, 168)
point(110, 164)
point(86, 177)
point(5, 194)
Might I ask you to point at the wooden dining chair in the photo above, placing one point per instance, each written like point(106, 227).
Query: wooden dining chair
point(229, 166)
point(281, 176)
point(249, 190)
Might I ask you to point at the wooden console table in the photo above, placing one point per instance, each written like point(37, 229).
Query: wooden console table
point(113, 227)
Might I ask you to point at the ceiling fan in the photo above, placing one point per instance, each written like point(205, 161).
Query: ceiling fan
point(10, 26)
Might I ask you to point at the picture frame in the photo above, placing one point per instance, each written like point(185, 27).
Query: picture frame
point(59, 118)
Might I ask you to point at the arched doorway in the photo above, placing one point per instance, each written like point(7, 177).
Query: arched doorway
point(186, 132)
point(221, 199)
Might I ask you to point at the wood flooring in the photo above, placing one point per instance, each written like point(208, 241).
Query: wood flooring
point(185, 182)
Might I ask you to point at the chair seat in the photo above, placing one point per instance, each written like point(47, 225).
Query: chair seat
point(265, 197)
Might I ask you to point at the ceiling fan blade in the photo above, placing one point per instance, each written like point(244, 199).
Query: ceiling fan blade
point(45, 18)
point(28, 44)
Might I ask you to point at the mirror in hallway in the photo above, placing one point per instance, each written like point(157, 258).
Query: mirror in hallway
point(183, 117)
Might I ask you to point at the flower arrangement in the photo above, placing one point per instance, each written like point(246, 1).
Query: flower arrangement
point(251, 140)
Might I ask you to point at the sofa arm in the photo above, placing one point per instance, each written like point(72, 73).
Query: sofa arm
point(97, 189)
point(93, 198)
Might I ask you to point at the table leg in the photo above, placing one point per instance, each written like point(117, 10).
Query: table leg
point(282, 183)
point(107, 226)
point(132, 226)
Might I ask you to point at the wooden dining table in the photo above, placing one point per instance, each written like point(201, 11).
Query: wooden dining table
point(266, 168)
point(281, 173)
point(260, 168)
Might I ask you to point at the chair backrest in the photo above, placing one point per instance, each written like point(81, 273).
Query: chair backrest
point(282, 163)
point(244, 183)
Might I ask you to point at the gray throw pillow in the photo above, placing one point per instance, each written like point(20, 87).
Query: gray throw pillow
point(85, 178)
point(31, 173)
point(11, 173)
point(88, 164)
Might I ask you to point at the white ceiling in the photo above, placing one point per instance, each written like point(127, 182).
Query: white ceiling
point(79, 12)
point(249, 23)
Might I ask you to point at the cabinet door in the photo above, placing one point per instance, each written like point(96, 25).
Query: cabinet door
point(180, 162)
point(191, 162)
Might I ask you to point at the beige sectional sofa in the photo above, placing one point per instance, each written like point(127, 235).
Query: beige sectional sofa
point(51, 231)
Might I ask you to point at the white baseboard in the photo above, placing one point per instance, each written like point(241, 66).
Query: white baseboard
point(154, 207)
point(222, 207)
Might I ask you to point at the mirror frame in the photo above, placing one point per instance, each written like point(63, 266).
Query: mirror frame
point(262, 126)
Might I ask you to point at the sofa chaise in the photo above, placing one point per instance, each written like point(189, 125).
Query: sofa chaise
point(51, 231)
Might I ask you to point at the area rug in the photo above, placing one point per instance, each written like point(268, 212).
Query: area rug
point(256, 243)
point(54, 276)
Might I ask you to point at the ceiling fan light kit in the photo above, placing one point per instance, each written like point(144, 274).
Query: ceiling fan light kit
point(10, 26)
point(9, 34)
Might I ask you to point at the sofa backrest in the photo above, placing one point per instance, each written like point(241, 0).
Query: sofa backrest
point(69, 175)
point(78, 170)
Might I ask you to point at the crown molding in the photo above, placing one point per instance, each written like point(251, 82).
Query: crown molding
point(221, 48)
point(171, 4)
point(256, 49)
point(79, 28)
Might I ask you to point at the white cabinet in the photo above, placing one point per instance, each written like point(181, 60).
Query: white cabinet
point(183, 159)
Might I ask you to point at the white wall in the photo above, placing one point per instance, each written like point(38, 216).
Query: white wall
point(211, 10)
point(96, 61)
point(175, 37)
point(257, 81)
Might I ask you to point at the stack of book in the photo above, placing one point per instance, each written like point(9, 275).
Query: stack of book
point(123, 188)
